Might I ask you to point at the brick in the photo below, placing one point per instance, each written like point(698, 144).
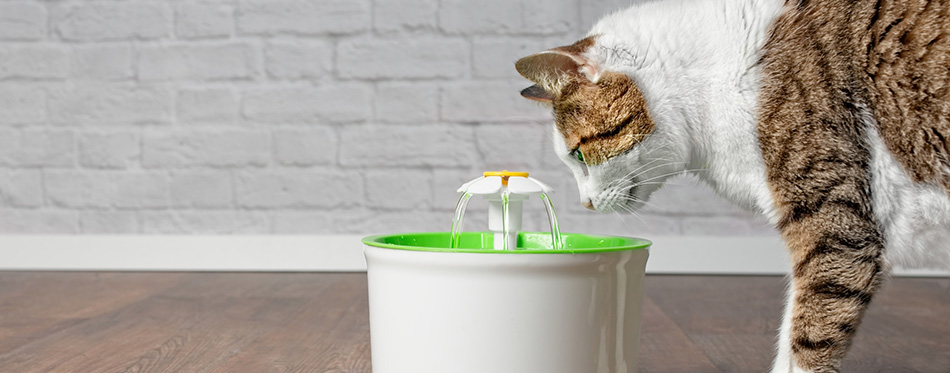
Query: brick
point(305, 146)
point(398, 189)
point(108, 149)
point(337, 103)
point(480, 17)
point(208, 105)
point(9, 141)
point(510, 146)
point(22, 104)
point(204, 222)
point(38, 221)
point(495, 57)
point(274, 189)
point(317, 221)
point(405, 57)
point(407, 103)
point(446, 146)
point(300, 222)
point(141, 190)
point(39, 148)
point(96, 103)
point(33, 62)
point(490, 102)
point(222, 148)
point(100, 21)
point(21, 188)
point(79, 189)
point(404, 221)
point(109, 222)
point(405, 15)
point(271, 17)
point(22, 21)
point(202, 189)
point(197, 62)
point(196, 21)
point(299, 60)
point(101, 62)
point(103, 189)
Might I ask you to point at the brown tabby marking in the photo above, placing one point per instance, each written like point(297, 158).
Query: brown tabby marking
point(909, 62)
point(827, 65)
point(603, 120)
point(579, 47)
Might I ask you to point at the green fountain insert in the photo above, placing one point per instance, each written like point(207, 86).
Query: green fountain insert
point(483, 242)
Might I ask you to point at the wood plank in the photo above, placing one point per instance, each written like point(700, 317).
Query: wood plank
point(738, 352)
point(733, 320)
point(304, 340)
point(665, 348)
point(34, 304)
point(107, 341)
point(907, 328)
point(720, 304)
point(77, 294)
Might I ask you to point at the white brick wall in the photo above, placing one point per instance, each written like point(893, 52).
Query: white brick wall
point(288, 116)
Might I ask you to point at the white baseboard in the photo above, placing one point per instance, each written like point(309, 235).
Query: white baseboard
point(669, 255)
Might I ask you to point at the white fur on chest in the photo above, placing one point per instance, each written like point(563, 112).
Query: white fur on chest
point(915, 217)
point(695, 62)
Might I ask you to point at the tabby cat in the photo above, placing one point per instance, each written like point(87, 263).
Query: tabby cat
point(831, 118)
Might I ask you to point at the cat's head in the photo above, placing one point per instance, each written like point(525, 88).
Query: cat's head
point(605, 132)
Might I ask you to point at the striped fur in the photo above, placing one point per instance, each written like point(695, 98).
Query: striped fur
point(830, 117)
point(830, 65)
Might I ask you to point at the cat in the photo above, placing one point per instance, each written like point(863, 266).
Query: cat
point(831, 118)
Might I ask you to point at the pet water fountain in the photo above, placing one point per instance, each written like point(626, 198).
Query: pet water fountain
point(504, 301)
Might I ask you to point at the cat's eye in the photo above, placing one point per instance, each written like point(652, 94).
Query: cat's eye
point(579, 155)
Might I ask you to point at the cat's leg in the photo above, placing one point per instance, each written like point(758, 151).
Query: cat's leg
point(820, 180)
point(783, 357)
point(836, 271)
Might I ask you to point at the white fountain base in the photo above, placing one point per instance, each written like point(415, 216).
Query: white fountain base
point(463, 312)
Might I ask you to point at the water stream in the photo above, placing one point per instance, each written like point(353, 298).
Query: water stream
point(557, 242)
point(457, 222)
point(504, 220)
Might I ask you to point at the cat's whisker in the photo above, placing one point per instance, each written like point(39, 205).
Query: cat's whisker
point(668, 175)
point(633, 173)
point(638, 216)
point(634, 176)
point(644, 203)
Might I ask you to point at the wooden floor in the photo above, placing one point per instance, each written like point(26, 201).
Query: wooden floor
point(318, 322)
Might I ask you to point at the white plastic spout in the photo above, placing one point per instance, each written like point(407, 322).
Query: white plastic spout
point(505, 190)
point(496, 219)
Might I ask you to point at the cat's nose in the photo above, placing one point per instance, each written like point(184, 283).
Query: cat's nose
point(589, 205)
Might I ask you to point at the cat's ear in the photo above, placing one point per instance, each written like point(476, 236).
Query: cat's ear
point(553, 69)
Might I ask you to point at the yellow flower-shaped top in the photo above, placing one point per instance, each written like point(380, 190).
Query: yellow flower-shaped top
point(494, 182)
